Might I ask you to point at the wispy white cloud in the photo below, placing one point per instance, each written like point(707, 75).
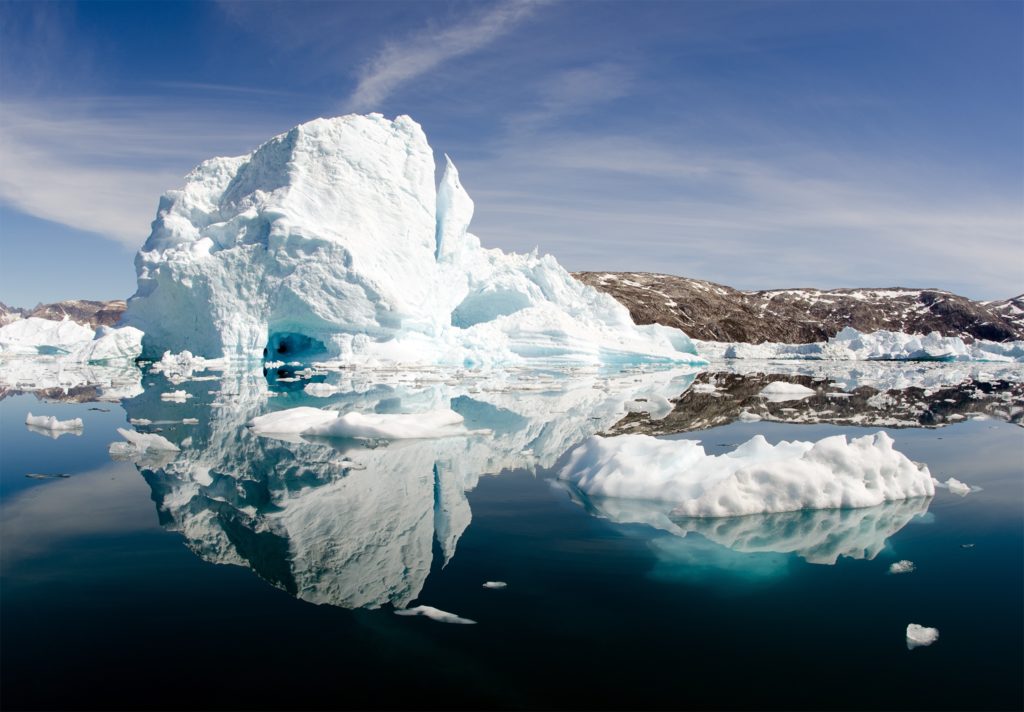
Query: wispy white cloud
point(101, 164)
point(400, 61)
point(572, 92)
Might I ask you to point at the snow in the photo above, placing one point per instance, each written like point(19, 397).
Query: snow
point(754, 478)
point(780, 391)
point(70, 341)
point(852, 345)
point(331, 241)
point(49, 422)
point(495, 584)
point(386, 426)
point(434, 614)
point(902, 567)
point(919, 636)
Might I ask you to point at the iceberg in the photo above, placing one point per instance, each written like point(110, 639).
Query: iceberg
point(919, 636)
point(69, 341)
point(331, 242)
point(361, 426)
point(49, 422)
point(755, 478)
point(434, 614)
point(853, 345)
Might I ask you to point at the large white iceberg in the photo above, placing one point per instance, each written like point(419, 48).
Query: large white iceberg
point(332, 240)
point(69, 341)
point(755, 478)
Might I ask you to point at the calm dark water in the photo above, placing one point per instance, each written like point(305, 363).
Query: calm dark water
point(224, 576)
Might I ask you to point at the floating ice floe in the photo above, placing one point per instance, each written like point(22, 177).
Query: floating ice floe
point(918, 636)
point(175, 396)
point(49, 422)
point(386, 426)
point(495, 584)
point(138, 443)
point(331, 240)
point(779, 391)
point(754, 478)
point(320, 390)
point(181, 367)
point(902, 567)
point(957, 487)
point(852, 345)
point(434, 614)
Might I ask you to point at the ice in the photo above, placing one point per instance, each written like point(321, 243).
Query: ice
point(70, 341)
point(176, 396)
point(181, 367)
point(49, 422)
point(434, 614)
point(852, 345)
point(138, 443)
point(331, 242)
point(386, 426)
point(779, 391)
point(756, 477)
point(495, 584)
point(957, 487)
point(902, 567)
point(919, 636)
point(746, 416)
point(320, 390)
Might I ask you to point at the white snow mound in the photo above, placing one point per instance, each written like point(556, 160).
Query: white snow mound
point(331, 240)
point(388, 426)
point(755, 478)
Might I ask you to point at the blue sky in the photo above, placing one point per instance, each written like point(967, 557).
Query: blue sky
point(757, 144)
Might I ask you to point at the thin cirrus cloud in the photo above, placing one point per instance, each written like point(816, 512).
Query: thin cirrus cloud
point(399, 62)
point(101, 164)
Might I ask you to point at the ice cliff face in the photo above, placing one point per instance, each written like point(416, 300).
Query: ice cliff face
point(332, 240)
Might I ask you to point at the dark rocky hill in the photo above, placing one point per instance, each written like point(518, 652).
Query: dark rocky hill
point(84, 311)
point(714, 312)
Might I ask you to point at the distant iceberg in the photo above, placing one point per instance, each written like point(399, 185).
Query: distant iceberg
point(69, 341)
point(331, 241)
point(852, 345)
point(755, 478)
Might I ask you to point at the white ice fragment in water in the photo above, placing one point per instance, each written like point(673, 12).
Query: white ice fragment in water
point(320, 390)
point(141, 442)
point(957, 487)
point(919, 636)
point(140, 421)
point(435, 614)
point(495, 584)
point(746, 416)
point(756, 477)
point(902, 567)
point(305, 420)
point(190, 421)
point(49, 422)
point(176, 396)
point(779, 391)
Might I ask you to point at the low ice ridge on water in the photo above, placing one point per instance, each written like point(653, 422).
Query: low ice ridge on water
point(50, 422)
point(852, 345)
point(332, 241)
point(386, 426)
point(435, 614)
point(755, 478)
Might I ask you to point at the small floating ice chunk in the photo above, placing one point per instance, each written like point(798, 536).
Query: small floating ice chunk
point(141, 442)
point(957, 487)
point(176, 396)
point(918, 636)
point(140, 421)
point(495, 584)
point(779, 391)
point(902, 567)
point(190, 421)
point(49, 422)
point(747, 417)
point(435, 614)
point(320, 390)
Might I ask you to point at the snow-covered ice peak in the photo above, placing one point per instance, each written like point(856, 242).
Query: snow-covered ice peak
point(331, 240)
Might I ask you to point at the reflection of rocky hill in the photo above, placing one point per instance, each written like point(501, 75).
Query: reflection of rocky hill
point(721, 398)
point(346, 523)
point(713, 312)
